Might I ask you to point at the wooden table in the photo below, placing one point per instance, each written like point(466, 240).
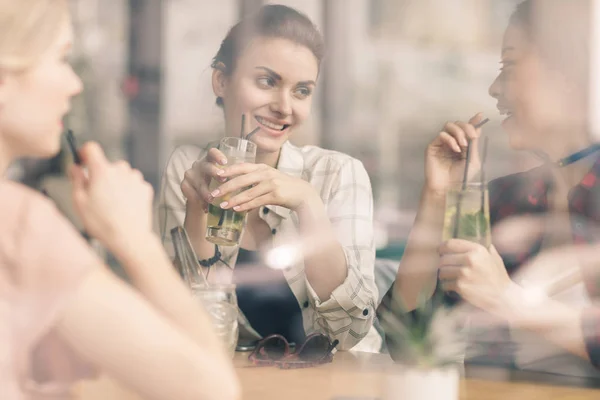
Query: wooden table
point(359, 376)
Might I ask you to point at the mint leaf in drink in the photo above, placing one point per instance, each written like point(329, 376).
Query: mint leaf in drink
point(472, 225)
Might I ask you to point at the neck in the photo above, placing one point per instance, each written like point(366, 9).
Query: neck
point(563, 144)
point(572, 174)
point(5, 161)
point(270, 159)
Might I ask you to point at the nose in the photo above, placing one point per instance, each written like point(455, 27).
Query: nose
point(495, 89)
point(75, 85)
point(282, 104)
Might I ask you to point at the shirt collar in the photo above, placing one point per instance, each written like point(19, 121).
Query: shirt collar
point(542, 182)
point(291, 163)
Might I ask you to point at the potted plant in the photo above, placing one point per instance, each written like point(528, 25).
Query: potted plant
point(428, 347)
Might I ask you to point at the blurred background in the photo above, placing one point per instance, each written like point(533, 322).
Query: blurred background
point(395, 72)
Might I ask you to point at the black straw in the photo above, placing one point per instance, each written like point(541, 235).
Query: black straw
point(243, 127)
point(73, 146)
point(248, 136)
point(483, 158)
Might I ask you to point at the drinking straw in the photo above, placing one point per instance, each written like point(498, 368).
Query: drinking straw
point(243, 126)
point(248, 136)
point(464, 181)
point(73, 146)
point(483, 158)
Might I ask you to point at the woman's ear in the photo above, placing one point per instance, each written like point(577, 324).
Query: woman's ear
point(219, 79)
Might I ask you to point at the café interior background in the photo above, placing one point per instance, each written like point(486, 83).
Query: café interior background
point(395, 72)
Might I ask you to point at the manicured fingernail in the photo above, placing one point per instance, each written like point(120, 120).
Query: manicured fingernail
point(220, 172)
point(237, 208)
point(223, 161)
point(222, 179)
point(464, 142)
point(223, 204)
point(215, 193)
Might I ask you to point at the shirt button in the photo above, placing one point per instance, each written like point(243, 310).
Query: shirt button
point(366, 312)
point(265, 210)
point(305, 305)
point(273, 231)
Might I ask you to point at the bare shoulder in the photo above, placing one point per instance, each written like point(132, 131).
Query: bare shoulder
point(15, 198)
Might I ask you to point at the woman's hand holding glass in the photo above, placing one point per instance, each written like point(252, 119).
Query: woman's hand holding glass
point(196, 181)
point(266, 186)
point(477, 274)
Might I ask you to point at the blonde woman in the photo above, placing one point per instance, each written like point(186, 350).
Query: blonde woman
point(60, 307)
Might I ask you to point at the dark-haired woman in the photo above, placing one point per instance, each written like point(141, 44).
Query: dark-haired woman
point(542, 90)
point(315, 203)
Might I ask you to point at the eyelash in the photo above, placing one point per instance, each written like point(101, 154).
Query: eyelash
point(268, 82)
point(505, 65)
point(306, 90)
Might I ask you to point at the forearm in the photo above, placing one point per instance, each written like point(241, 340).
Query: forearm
point(324, 258)
point(555, 321)
point(152, 273)
point(418, 268)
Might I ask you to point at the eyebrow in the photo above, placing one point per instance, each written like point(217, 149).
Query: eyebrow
point(507, 49)
point(279, 78)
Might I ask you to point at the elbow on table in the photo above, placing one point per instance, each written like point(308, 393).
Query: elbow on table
point(351, 337)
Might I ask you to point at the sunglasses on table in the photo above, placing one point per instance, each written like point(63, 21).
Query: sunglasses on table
point(274, 350)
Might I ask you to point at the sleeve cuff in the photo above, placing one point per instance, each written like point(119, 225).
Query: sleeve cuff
point(344, 297)
point(353, 296)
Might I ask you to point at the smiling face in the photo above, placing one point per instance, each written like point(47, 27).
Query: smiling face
point(34, 101)
point(539, 101)
point(273, 83)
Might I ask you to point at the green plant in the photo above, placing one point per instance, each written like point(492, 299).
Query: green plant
point(430, 336)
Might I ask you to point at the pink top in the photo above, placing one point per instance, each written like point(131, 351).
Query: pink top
point(43, 260)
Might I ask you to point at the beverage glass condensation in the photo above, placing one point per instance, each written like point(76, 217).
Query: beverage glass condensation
point(220, 302)
point(474, 219)
point(224, 227)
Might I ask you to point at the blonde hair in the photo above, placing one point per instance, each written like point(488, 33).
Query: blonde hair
point(27, 30)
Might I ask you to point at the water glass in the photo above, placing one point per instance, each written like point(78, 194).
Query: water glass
point(224, 227)
point(220, 302)
point(467, 214)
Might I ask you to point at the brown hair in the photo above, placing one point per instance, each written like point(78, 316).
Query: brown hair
point(271, 21)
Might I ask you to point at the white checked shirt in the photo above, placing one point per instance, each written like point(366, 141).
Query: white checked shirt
point(345, 190)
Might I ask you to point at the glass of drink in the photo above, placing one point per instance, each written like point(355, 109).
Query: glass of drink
point(467, 214)
point(224, 227)
point(220, 302)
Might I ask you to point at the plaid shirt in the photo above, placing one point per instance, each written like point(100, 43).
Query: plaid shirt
point(345, 189)
point(527, 193)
